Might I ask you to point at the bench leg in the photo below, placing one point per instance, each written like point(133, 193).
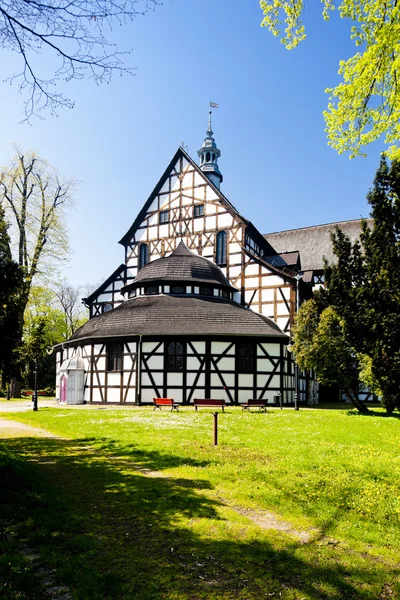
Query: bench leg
point(195, 407)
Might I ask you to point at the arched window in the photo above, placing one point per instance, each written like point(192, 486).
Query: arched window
point(107, 307)
point(213, 157)
point(143, 255)
point(178, 289)
point(221, 248)
point(208, 157)
point(175, 357)
point(151, 290)
point(245, 357)
point(114, 357)
point(206, 291)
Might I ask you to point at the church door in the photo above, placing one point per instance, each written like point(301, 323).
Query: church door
point(63, 389)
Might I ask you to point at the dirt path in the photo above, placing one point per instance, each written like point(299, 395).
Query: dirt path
point(10, 429)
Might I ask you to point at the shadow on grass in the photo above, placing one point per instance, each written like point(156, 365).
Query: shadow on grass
point(372, 413)
point(108, 531)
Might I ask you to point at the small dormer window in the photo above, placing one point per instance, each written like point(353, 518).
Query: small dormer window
point(206, 291)
point(164, 216)
point(177, 289)
point(107, 307)
point(198, 210)
point(151, 290)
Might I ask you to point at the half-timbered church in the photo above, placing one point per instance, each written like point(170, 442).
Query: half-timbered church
point(201, 306)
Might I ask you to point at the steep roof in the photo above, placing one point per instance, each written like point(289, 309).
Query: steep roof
point(181, 265)
point(178, 316)
point(105, 284)
point(313, 243)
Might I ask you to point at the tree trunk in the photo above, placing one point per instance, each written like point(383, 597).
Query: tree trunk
point(360, 406)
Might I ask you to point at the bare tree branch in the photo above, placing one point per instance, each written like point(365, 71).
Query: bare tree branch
point(75, 32)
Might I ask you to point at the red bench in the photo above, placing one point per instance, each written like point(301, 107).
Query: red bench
point(208, 402)
point(261, 404)
point(159, 402)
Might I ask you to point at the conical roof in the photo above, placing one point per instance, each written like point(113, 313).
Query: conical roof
point(183, 266)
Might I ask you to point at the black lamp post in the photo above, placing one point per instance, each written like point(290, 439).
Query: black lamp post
point(34, 398)
point(297, 277)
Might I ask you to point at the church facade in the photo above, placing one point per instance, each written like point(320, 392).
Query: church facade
point(225, 335)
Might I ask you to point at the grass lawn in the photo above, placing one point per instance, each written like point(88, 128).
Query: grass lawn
point(136, 505)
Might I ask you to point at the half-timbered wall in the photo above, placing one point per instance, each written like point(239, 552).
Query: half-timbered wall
point(108, 297)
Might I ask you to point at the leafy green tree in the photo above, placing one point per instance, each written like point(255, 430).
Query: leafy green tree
point(366, 104)
point(11, 279)
point(364, 285)
point(321, 345)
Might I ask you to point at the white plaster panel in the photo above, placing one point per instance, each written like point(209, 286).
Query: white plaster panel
point(208, 253)
point(175, 203)
point(198, 225)
point(157, 377)
point(224, 270)
point(153, 206)
point(211, 208)
point(96, 397)
point(153, 233)
point(113, 395)
point(155, 362)
point(104, 298)
point(226, 364)
point(234, 271)
point(211, 222)
point(101, 363)
point(267, 295)
point(187, 180)
point(176, 394)
point(113, 379)
point(218, 394)
point(264, 365)
point(147, 395)
point(286, 292)
point(239, 234)
point(234, 247)
point(281, 322)
point(118, 285)
point(272, 350)
point(153, 220)
point(174, 183)
point(244, 395)
point(252, 269)
point(275, 381)
point(186, 200)
point(86, 394)
point(211, 195)
point(149, 347)
point(251, 282)
point(126, 379)
point(190, 379)
point(99, 379)
point(215, 380)
point(198, 179)
point(174, 379)
point(163, 231)
point(200, 347)
point(229, 379)
point(282, 310)
point(185, 165)
point(132, 269)
point(141, 235)
point(132, 347)
point(225, 220)
point(219, 347)
point(272, 280)
point(249, 294)
point(245, 380)
point(131, 395)
point(165, 188)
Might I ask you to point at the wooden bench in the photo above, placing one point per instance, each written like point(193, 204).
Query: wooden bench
point(251, 403)
point(208, 402)
point(159, 402)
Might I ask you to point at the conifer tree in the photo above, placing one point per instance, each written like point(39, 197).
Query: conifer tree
point(364, 285)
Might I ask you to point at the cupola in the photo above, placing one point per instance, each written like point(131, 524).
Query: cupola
point(209, 154)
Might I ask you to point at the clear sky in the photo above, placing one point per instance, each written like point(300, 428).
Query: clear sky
point(278, 170)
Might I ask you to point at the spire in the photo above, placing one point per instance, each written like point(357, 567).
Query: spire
point(209, 154)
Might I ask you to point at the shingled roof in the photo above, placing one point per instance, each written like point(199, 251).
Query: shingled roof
point(313, 243)
point(178, 316)
point(181, 265)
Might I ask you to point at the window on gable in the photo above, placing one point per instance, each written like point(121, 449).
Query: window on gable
point(245, 357)
point(175, 357)
point(198, 210)
point(164, 216)
point(221, 249)
point(114, 357)
point(143, 255)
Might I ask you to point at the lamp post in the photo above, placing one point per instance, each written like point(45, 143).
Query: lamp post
point(34, 398)
point(298, 278)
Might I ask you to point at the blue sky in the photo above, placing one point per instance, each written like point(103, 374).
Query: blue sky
point(278, 170)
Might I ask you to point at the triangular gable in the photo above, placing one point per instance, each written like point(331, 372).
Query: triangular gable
point(178, 154)
point(104, 286)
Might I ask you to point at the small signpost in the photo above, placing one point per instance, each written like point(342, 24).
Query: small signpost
point(215, 429)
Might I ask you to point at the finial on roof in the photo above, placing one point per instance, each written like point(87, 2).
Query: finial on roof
point(209, 154)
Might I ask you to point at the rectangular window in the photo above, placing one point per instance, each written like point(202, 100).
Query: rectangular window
point(245, 357)
point(175, 358)
point(114, 357)
point(164, 216)
point(198, 210)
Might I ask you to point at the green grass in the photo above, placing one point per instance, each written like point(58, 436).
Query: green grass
point(97, 511)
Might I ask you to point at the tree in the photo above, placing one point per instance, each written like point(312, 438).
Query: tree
point(71, 32)
point(364, 285)
point(69, 301)
point(366, 104)
point(11, 279)
point(35, 199)
point(321, 345)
